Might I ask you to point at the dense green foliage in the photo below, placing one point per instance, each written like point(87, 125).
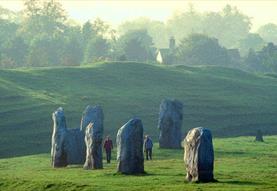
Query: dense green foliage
point(156, 29)
point(42, 34)
point(229, 26)
point(268, 32)
point(264, 60)
point(240, 165)
point(251, 41)
point(199, 49)
point(136, 46)
point(228, 101)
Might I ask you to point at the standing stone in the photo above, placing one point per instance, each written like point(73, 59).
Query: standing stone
point(58, 149)
point(130, 148)
point(170, 123)
point(93, 137)
point(259, 136)
point(199, 155)
point(89, 115)
point(75, 146)
point(68, 140)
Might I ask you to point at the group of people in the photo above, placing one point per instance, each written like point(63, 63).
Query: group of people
point(148, 145)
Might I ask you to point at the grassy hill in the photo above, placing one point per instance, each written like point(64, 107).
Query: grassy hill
point(240, 165)
point(228, 101)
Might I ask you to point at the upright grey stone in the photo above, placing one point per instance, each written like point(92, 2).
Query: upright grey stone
point(170, 124)
point(130, 147)
point(75, 146)
point(259, 136)
point(93, 137)
point(199, 155)
point(58, 150)
point(68, 141)
point(89, 115)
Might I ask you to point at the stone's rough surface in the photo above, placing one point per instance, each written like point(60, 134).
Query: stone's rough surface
point(130, 147)
point(199, 155)
point(68, 145)
point(90, 114)
point(93, 137)
point(58, 151)
point(170, 124)
point(259, 136)
point(75, 146)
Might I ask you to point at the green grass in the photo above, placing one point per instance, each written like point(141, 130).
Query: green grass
point(240, 164)
point(228, 101)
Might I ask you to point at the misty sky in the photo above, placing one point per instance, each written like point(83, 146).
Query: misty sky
point(117, 11)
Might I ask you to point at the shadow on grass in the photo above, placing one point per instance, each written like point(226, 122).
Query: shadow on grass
point(147, 174)
point(232, 182)
point(130, 174)
point(238, 182)
point(75, 166)
point(169, 175)
point(232, 153)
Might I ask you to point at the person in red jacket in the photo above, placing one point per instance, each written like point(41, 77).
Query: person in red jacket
point(108, 146)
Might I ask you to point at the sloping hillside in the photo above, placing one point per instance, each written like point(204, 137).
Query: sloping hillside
point(228, 101)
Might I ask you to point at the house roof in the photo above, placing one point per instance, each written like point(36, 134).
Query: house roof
point(164, 51)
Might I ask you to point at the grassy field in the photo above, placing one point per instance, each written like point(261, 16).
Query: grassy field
point(240, 164)
point(228, 101)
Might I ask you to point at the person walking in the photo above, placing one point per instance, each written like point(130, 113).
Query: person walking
point(148, 144)
point(108, 146)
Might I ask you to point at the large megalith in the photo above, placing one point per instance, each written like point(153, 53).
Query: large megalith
point(68, 141)
point(130, 147)
point(199, 155)
point(170, 124)
point(93, 137)
point(87, 117)
point(75, 146)
point(58, 149)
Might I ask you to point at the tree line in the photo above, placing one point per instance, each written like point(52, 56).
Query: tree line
point(43, 35)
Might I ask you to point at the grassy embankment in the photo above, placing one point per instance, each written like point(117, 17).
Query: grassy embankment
point(228, 101)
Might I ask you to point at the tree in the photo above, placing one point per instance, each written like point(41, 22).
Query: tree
point(45, 51)
point(268, 32)
point(198, 49)
point(156, 29)
point(72, 52)
point(253, 62)
point(135, 46)
point(7, 43)
point(264, 60)
point(97, 49)
point(103, 29)
point(43, 17)
point(87, 32)
point(184, 23)
point(229, 26)
point(251, 41)
point(7, 30)
point(9, 15)
point(268, 57)
point(16, 50)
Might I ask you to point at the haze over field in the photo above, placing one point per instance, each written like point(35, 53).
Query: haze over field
point(117, 11)
point(210, 36)
point(76, 76)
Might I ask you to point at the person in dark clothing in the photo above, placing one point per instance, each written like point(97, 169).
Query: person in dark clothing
point(108, 146)
point(148, 144)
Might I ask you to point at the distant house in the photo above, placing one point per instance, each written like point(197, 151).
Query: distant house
point(166, 55)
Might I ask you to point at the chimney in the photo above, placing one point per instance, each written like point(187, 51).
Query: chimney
point(172, 43)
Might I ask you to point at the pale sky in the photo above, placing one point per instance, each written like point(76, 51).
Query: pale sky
point(116, 11)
